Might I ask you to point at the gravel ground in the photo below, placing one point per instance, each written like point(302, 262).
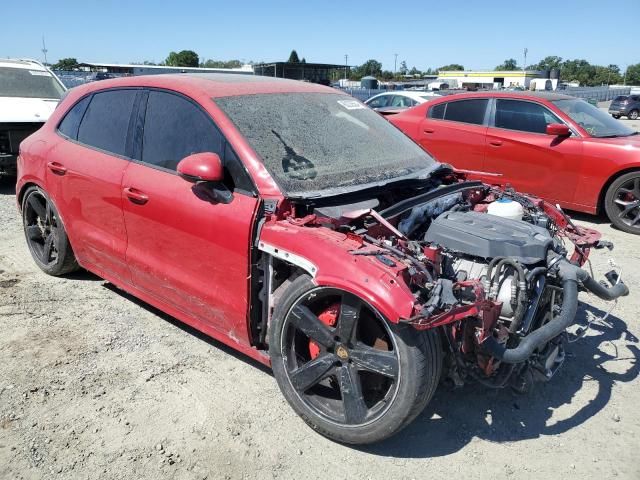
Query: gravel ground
point(95, 384)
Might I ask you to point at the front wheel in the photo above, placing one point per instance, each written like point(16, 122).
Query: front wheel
point(633, 115)
point(622, 202)
point(349, 373)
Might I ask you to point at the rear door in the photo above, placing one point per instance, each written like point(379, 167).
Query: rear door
point(84, 175)
point(519, 149)
point(454, 132)
point(186, 251)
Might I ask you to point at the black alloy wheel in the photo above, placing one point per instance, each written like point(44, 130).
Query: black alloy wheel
point(353, 377)
point(45, 235)
point(633, 115)
point(622, 202)
point(348, 372)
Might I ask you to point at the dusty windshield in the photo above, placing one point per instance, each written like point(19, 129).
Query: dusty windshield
point(312, 142)
point(23, 82)
point(596, 122)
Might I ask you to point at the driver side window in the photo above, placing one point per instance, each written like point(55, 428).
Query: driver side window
point(175, 128)
point(380, 102)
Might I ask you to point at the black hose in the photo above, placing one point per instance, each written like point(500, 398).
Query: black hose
point(605, 293)
point(569, 275)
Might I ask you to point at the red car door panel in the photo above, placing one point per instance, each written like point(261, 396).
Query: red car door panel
point(188, 252)
point(530, 160)
point(84, 176)
point(454, 132)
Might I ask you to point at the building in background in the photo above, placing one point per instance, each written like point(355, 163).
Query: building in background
point(323, 73)
point(134, 69)
point(474, 80)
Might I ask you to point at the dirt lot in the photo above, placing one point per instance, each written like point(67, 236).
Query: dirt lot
point(94, 384)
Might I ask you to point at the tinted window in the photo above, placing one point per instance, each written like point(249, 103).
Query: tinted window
point(467, 111)
point(235, 171)
point(402, 101)
point(523, 116)
point(106, 122)
point(175, 128)
point(379, 102)
point(71, 122)
point(437, 111)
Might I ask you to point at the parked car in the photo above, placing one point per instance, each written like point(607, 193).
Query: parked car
point(296, 225)
point(554, 146)
point(625, 106)
point(393, 102)
point(29, 92)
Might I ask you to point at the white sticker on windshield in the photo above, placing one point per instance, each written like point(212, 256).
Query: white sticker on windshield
point(39, 73)
point(351, 104)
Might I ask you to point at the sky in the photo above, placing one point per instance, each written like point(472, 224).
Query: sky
point(478, 35)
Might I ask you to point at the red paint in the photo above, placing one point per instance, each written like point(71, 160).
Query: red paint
point(572, 171)
point(204, 166)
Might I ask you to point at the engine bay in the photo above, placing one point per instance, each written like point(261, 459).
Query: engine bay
point(496, 271)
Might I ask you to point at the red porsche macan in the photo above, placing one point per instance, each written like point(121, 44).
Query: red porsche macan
point(293, 223)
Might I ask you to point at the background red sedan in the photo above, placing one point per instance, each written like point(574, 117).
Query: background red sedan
point(555, 146)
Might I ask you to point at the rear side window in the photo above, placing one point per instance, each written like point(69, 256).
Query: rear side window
point(466, 111)
point(69, 125)
point(106, 122)
point(437, 111)
point(175, 128)
point(523, 116)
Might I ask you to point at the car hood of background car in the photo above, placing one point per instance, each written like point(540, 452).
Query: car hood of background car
point(19, 109)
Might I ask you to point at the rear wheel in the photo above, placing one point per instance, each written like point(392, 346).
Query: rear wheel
point(45, 234)
point(350, 374)
point(622, 202)
point(615, 116)
point(633, 115)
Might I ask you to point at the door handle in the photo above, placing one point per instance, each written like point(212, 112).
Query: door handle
point(136, 196)
point(495, 143)
point(428, 130)
point(57, 168)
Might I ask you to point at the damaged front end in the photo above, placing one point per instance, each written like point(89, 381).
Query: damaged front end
point(501, 291)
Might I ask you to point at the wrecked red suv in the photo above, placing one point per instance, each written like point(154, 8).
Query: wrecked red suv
point(298, 226)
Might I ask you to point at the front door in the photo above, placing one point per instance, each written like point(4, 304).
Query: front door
point(531, 161)
point(186, 251)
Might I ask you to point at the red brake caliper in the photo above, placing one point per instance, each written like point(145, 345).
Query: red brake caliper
point(329, 317)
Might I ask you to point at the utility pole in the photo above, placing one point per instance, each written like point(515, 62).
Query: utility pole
point(524, 65)
point(346, 58)
point(44, 50)
point(395, 64)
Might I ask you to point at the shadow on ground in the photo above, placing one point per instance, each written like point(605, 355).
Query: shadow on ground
point(455, 417)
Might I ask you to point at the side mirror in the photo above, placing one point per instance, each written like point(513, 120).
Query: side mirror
point(201, 167)
point(558, 130)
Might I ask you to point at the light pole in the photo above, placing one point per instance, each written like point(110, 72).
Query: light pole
point(395, 64)
point(346, 57)
point(44, 50)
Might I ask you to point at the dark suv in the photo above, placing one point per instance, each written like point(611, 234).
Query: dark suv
point(625, 106)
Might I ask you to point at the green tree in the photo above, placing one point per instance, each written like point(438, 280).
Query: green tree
point(65, 64)
point(184, 58)
point(370, 67)
point(453, 66)
point(403, 68)
point(414, 71)
point(547, 63)
point(304, 60)
point(387, 75)
point(578, 70)
point(509, 64)
point(293, 57)
point(632, 76)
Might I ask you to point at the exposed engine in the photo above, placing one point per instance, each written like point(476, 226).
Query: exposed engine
point(502, 290)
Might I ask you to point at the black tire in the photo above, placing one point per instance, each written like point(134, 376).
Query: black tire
point(615, 116)
point(633, 115)
point(45, 234)
point(391, 399)
point(622, 202)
